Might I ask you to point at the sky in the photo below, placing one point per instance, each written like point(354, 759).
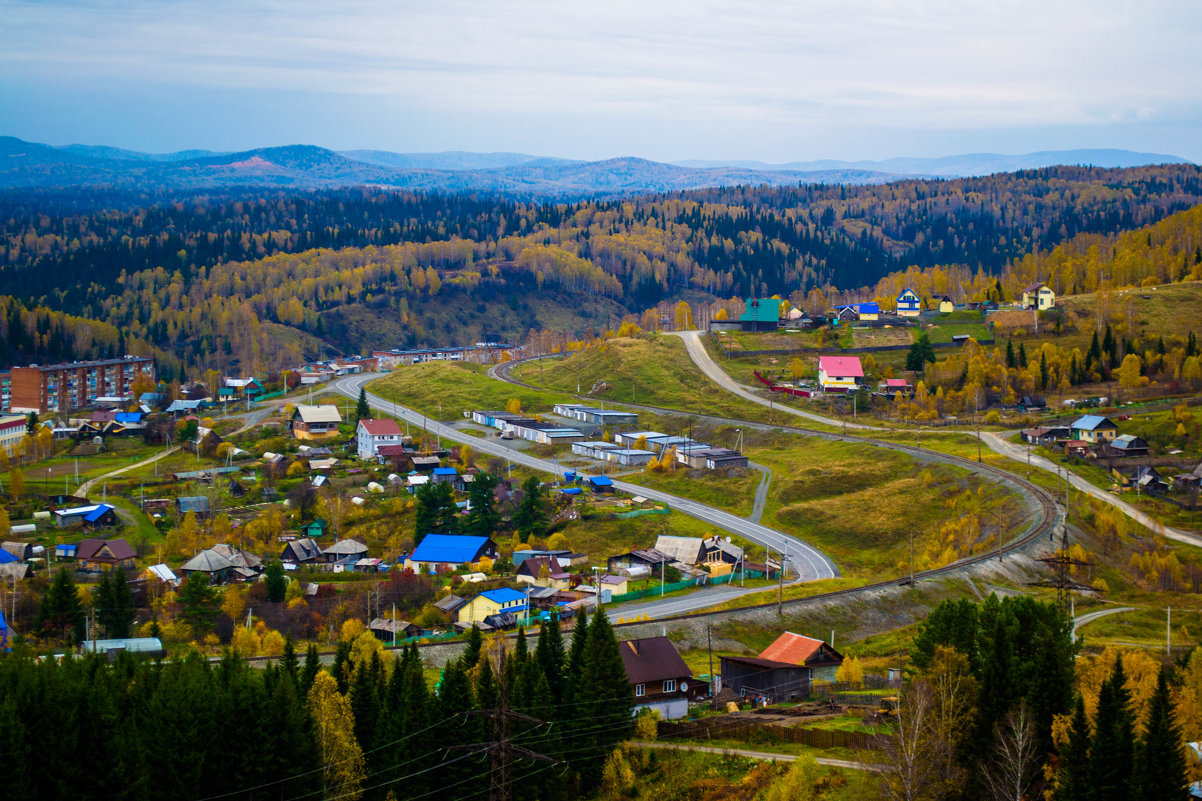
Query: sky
point(661, 79)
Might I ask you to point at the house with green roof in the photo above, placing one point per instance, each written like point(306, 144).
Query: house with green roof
point(761, 315)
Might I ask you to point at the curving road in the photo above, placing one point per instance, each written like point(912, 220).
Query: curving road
point(809, 563)
point(996, 442)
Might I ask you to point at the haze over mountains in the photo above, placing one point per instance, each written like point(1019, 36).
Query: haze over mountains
point(32, 165)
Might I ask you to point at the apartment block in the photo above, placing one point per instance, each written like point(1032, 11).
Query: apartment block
point(54, 388)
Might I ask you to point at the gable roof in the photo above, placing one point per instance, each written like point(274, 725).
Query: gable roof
point(317, 414)
point(98, 513)
point(1035, 287)
point(119, 548)
point(1092, 422)
point(193, 503)
point(792, 648)
point(346, 548)
point(841, 366)
point(652, 659)
point(681, 549)
point(381, 428)
point(208, 561)
point(450, 548)
point(445, 471)
point(303, 549)
point(450, 603)
point(534, 565)
point(237, 556)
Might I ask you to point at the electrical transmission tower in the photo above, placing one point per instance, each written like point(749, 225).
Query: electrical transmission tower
point(501, 748)
point(1063, 583)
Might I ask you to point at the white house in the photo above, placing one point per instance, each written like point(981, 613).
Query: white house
point(371, 434)
point(909, 304)
point(839, 373)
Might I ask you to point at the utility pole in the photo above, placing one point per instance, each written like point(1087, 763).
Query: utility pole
point(709, 645)
point(780, 593)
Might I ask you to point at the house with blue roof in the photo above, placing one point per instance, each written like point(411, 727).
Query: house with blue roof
point(496, 609)
point(857, 311)
point(600, 483)
point(449, 552)
point(909, 304)
point(1094, 428)
point(444, 474)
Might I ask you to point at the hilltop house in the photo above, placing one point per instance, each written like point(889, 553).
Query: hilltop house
point(371, 434)
point(315, 422)
point(839, 373)
point(1038, 296)
point(660, 678)
point(761, 315)
point(909, 304)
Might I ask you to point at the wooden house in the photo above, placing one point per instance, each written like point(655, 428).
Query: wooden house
point(661, 680)
point(820, 659)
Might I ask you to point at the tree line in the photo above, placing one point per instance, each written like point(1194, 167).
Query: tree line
point(366, 726)
point(178, 271)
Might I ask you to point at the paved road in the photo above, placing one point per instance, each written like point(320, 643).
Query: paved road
point(250, 420)
point(995, 441)
point(768, 755)
point(809, 563)
point(701, 357)
point(761, 492)
point(1089, 617)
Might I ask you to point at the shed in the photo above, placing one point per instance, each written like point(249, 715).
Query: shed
point(602, 484)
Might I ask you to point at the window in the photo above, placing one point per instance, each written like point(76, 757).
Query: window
point(670, 685)
point(640, 690)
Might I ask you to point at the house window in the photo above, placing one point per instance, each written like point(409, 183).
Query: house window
point(640, 690)
point(670, 685)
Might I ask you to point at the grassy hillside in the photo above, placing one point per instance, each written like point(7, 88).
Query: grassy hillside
point(653, 369)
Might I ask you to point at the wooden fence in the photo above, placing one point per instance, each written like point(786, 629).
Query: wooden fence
point(747, 730)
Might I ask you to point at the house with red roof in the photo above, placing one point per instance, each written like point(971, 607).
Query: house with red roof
point(891, 386)
point(371, 434)
point(839, 373)
point(820, 659)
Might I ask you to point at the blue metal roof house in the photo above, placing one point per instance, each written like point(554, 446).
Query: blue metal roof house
point(449, 551)
point(601, 483)
point(1094, 428)
point(442, 474)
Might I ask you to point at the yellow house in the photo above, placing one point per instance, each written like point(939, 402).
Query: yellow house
point(909, 304)
point(946, 306)
point(492, 602)
point(1038, 296)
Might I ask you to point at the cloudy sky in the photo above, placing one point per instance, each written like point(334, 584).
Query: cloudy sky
point(664, 79)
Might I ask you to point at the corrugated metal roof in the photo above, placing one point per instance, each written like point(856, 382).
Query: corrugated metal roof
point(450, 548)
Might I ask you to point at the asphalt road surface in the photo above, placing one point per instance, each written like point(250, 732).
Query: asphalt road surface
point(807, 562)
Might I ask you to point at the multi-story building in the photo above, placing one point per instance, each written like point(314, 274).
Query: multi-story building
point(12, 429)
point(55, 388)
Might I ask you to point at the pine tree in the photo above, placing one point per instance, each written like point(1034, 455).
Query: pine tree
point(1043, 370)
point(309, 672)
point(365, 702)
point(487, 694)
point(1010, 354)
point(550, 658)
point(1075, 783)
point(61, 614)
point(482, 519)
point(362, 410)
point(289, 663)
point(114, 605)
point(275, 581)
point(532, 516)
point(1111, 750)
point(1160, 769)
point(472, 648)
point(1022, 355)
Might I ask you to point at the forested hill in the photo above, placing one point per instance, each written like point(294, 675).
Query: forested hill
point(219, 277)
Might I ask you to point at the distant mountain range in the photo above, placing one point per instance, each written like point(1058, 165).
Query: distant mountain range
point(32, 165)
point(966, 165)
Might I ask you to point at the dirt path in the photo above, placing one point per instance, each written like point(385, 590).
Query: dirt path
point(752, 754)
point(761, 492)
